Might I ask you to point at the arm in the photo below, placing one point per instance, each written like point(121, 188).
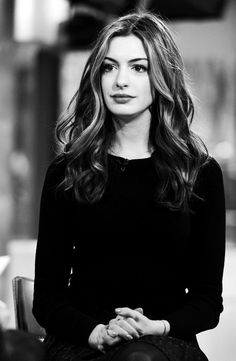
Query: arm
point(203, 304)
point(52, 305)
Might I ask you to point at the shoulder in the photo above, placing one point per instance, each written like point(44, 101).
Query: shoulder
point(210, 178)
point(57, 165)
point(53, 190)
point(55, 172)
point(209, 170)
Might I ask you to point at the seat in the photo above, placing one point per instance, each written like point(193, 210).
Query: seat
point(23, 289)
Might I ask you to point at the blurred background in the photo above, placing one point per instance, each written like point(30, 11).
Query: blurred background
point(44, 45)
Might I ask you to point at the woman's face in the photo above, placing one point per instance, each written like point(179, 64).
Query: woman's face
point(125, 78)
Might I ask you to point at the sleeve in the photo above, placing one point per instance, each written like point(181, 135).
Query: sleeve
point(206, 254)
point(52, 306)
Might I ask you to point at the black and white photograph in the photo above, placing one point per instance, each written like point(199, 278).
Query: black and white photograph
point(117, 180)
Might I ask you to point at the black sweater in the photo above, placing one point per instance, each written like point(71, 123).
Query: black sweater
point(126, 250)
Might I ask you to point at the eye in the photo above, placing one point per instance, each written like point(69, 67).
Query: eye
point(107, 67)
point(140, 68)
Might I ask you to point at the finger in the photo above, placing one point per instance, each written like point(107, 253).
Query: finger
point(128, 327)
point(135, 325)
point(139, 309)
point(131, 321)
point(109, 342)
point(121, 332)
point(128, 312)
point(111, 333)
point(107, 332)
point(108, 336)
point(101, 348)
point(118, 318)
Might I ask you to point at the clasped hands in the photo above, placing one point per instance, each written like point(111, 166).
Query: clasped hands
point(129, 324)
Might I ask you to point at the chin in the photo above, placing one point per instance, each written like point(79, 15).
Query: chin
point(123, 112)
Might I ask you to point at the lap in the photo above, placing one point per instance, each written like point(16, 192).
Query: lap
point(172, 348)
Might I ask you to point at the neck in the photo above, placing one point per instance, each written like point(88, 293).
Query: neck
point(132, 137)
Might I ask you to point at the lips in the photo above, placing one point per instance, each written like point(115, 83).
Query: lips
point(122, 99)
point(122, 96)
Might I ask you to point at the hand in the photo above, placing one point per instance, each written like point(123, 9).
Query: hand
point(142, 324)
point(101, 338)
point(124, 328)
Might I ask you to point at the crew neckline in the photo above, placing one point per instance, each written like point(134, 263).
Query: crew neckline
point(129, 159)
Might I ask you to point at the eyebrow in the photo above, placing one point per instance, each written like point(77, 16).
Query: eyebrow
point(130, 61)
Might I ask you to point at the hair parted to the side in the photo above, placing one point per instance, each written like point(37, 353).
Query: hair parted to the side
point(88, 132)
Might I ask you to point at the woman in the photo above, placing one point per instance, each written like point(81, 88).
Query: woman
point(130, 249)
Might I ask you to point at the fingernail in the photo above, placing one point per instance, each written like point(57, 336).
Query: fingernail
point(129, 336)
point(118, 310)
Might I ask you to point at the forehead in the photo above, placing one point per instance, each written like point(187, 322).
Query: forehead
point(126, 47)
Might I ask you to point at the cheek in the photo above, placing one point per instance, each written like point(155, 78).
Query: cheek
point(144, 86)
point(103, 87)
point(147, 92)
point(105, 91)
point(105, 84)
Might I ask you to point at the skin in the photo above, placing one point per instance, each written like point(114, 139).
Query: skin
point(126, 71)
point(129, 324)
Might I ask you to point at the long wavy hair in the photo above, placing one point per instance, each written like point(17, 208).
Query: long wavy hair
point(88, 132)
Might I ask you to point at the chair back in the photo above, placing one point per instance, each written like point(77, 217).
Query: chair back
point(23, 290)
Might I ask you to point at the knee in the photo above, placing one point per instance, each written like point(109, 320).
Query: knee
point(140, 352)
point(140, 356)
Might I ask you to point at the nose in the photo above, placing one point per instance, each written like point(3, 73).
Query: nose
point(122, 78)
